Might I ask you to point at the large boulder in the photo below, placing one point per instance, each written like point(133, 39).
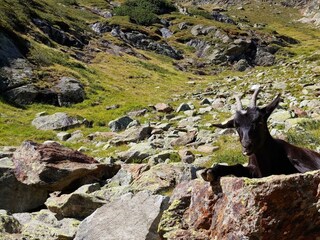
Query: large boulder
point(69, 90)
point(54, 167)
point(277, 207)
point(131, 217)
point(56, 121)
point(16, 196)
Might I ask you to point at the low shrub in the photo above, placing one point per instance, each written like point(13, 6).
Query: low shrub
point(144, 12)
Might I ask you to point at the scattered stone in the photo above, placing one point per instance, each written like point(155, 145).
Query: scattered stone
point(137, 153)
point(44, 225)
point(185, 139)
point(163, 156)
point(280, 117)
point(57, 121)
point(75, 136)
point(75, 205)
point(205, 101)
point(184, 107)
point(112, 221)
point(186, 156)
point(137, 113)
point(294, 122)
point(112, 107)
point(162, 107)
point(120, 123)
point(63, 136)
point(133, 134)
point(207, 149)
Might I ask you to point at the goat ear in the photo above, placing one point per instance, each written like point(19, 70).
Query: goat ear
point(267, 110)
point(229, 124)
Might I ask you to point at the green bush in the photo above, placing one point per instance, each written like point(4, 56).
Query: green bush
point(144, 12)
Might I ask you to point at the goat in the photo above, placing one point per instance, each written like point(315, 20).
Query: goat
point(267, 155)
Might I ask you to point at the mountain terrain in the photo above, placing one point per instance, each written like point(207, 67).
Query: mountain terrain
point(134, 87)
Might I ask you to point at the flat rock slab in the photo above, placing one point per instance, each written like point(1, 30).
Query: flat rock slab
point(131, 217)
point(57, 121)
point(54, 167)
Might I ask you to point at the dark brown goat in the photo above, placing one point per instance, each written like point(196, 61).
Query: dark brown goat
point(267, 156)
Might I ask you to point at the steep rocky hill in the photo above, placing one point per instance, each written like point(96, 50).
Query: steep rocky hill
point(135, 89)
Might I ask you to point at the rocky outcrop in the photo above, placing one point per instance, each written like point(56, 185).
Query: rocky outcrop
point(71, 38)
point(54, 167)
point(69, 90)
point(142, 41)
point(131, 217)
point(245, 208)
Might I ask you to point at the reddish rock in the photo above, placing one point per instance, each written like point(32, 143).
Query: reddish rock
point(163, 107)
point(277, 207)
point(54, 167)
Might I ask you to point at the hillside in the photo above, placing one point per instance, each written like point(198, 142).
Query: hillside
point(137, 85)
point(46, 41)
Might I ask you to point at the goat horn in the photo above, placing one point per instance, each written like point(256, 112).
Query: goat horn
point(239, 104)
point(254, 97)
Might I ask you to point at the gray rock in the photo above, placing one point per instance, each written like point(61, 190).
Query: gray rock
point(142, 41)
point(75, 205)
point(22, 95)
point(162, 157)
point(131, 217)
point(186, 156)
point(241, 65)
point(57, 121)
point(161, 178)
point(133, 134)
point(184, 107)
point(195, 30)
point(134, 123)
point(63, 136)
point(100, 27)
point(166, 33)
point(45, 226)
point(205, 101)
point(137, 113)
point(137, 153)
point(280, 117)
point(69, 90)
point(17, 197)
point(120, 123)
point(264, 58)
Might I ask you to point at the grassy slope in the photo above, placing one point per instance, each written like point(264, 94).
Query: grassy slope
point(127, 81)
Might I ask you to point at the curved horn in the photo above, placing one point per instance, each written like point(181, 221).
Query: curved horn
point(254, 97)
point(239, 104)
